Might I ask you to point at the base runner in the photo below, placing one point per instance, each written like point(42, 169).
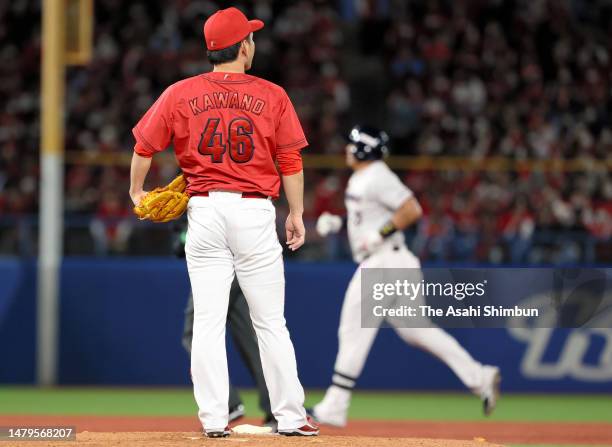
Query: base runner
point(228, 129)
point(379, 207)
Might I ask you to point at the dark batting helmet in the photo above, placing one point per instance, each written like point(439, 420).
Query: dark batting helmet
point(368, 143)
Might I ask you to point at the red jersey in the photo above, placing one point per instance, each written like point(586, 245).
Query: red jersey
point(227, 130)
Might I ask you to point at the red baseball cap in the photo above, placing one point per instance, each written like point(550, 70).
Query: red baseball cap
point(228, 26)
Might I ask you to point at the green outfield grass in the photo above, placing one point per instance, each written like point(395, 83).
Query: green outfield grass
point(366, 405)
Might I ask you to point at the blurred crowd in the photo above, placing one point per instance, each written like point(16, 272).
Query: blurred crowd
point(522, 79)
point(500, 217)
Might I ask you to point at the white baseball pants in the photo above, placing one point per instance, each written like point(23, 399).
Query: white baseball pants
point(228, 235)
point(355, 342)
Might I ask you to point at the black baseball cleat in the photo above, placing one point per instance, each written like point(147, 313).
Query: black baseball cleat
point(236, 412)
point(269, 421)
point(217, 433)
point(310, 429)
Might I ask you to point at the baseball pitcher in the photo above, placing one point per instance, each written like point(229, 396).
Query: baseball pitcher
point(228, 129)
point(379, 207)
point(245, 339)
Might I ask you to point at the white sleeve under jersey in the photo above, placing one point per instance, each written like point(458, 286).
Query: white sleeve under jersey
point(373, 195)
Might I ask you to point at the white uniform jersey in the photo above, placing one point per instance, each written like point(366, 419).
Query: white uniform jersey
point(372, 196)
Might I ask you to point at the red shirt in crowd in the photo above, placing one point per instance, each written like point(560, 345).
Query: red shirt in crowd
point(228, 131)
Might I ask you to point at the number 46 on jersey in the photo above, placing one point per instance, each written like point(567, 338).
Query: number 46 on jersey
point(215, 142)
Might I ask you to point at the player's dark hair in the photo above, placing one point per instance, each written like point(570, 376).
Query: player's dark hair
point(229, 54)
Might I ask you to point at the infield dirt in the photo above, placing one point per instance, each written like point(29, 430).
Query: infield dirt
point(182, 431)
point(182, 439)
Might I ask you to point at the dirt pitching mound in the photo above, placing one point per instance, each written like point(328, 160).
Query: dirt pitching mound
point(400, 432)
point(181, 439)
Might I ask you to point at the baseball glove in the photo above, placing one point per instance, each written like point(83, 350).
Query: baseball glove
point(165, 203)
